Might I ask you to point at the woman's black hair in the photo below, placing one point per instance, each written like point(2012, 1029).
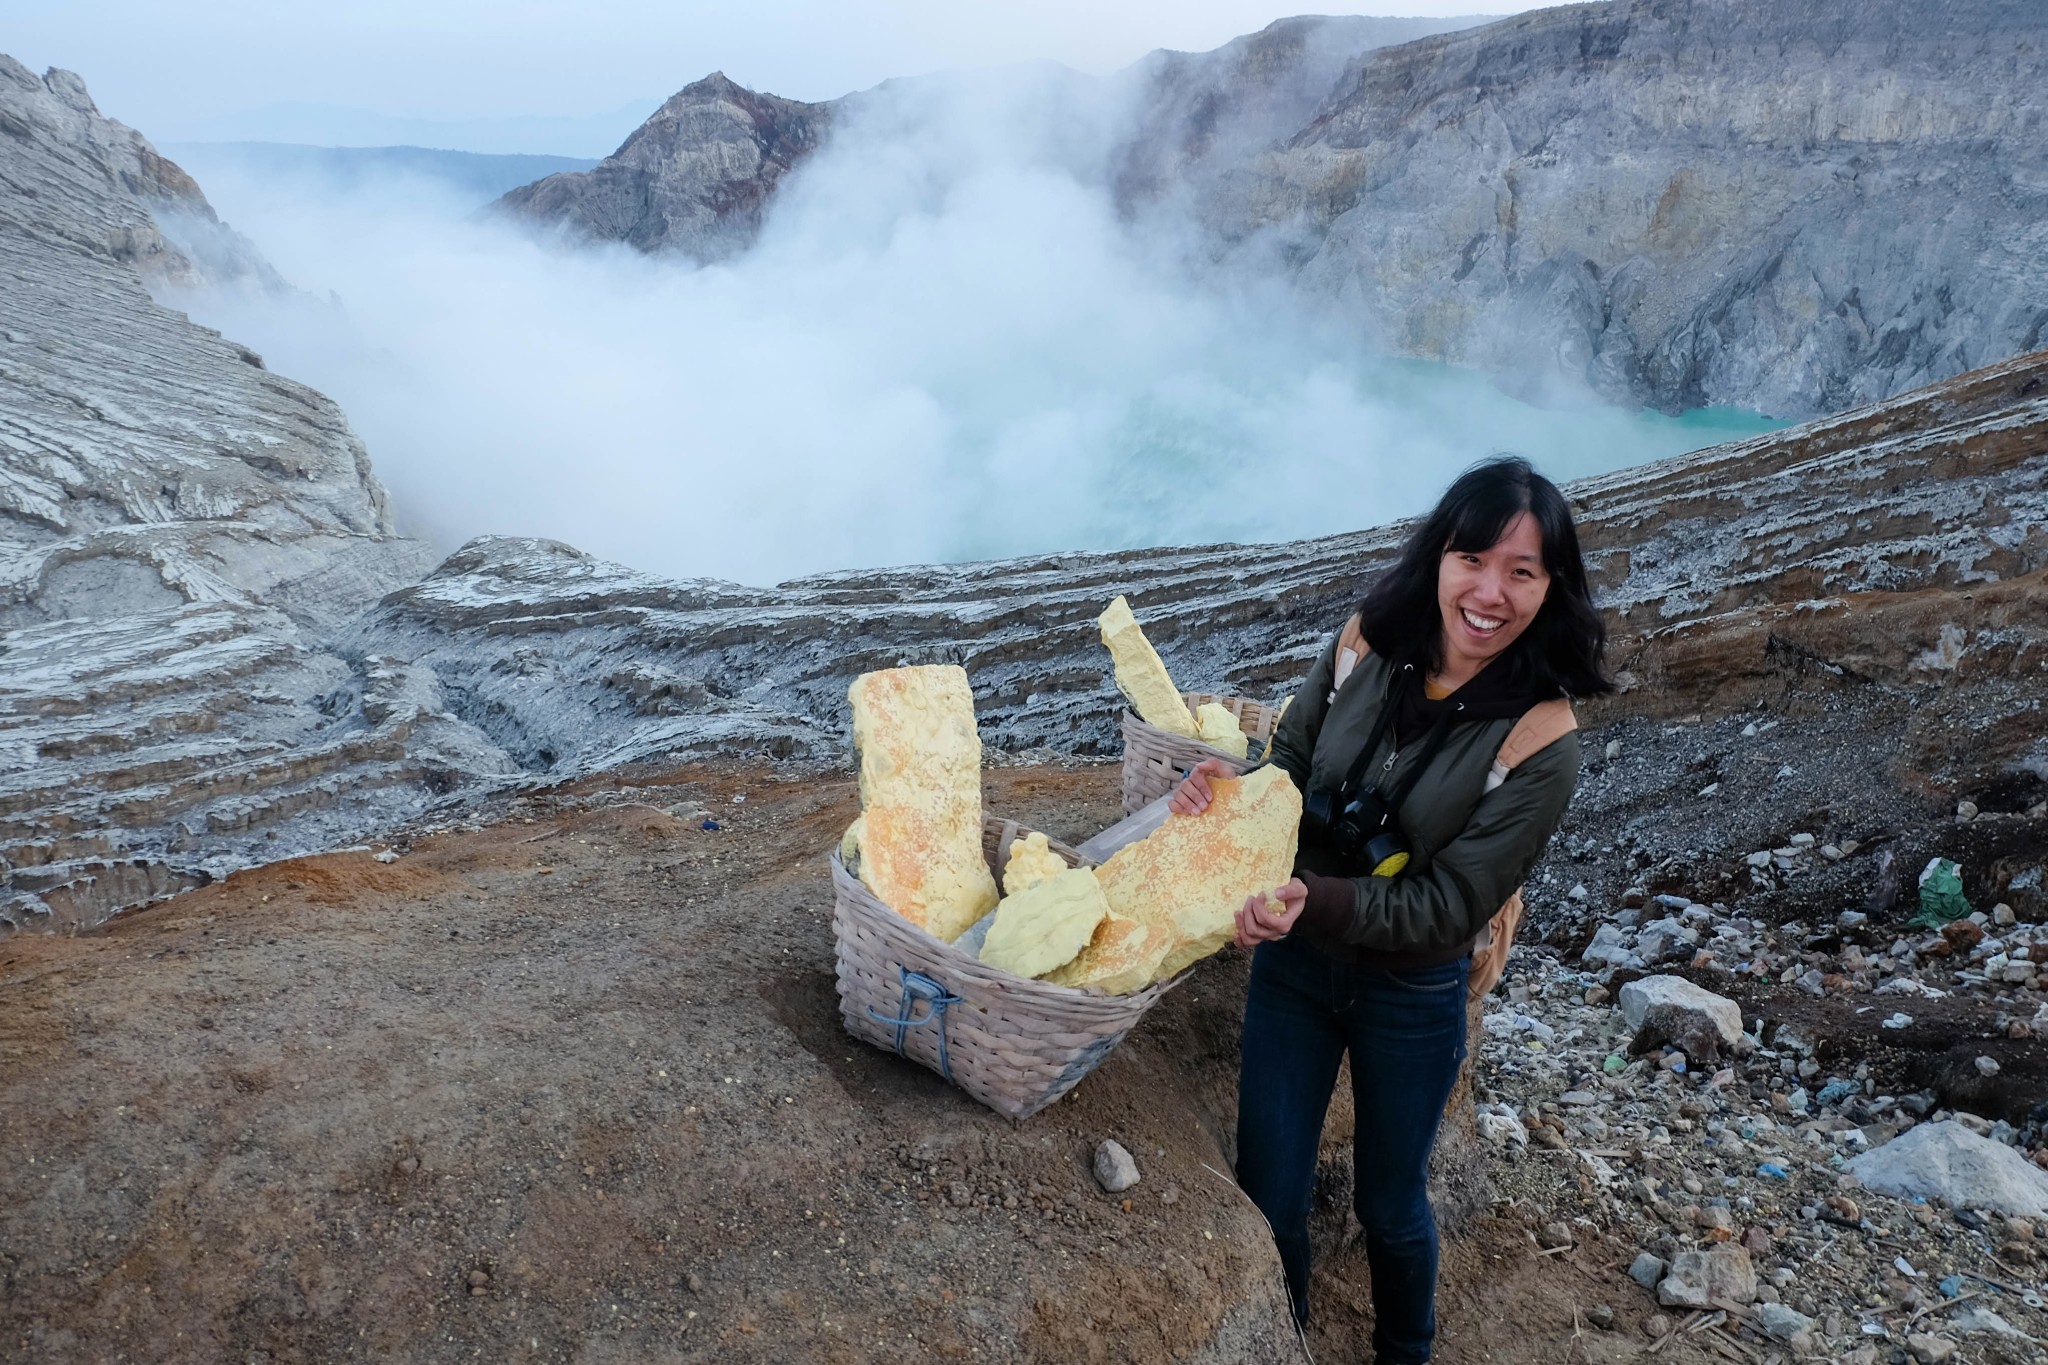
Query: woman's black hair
point(1561, 650)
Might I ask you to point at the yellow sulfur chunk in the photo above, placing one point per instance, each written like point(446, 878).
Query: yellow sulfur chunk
point(1042, 928)
point(1031, 862)
point(920, 791)
point(1192, 873)
point(1123, 956)
point(849, 846)
point(1140, 675)
point(1218, 729)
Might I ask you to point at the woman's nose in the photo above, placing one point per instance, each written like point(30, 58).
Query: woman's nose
point(1491, 587)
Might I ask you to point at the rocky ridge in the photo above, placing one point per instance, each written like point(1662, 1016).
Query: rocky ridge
point(1717, 568)
point(698, 177)
point(179, 530)
point(1791, 208)
point(144, 461)
point(695, 178)
point(1785, 207)
point(1878, 565)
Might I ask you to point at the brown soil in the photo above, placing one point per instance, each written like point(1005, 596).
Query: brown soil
point(572, 1086)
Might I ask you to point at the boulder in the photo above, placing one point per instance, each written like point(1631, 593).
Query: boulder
point(1947, 1161)
point(1609, 948)
point(1698, 1277)
point(1638, 998)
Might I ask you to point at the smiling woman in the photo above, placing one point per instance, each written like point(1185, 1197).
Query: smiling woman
point(1422, 815)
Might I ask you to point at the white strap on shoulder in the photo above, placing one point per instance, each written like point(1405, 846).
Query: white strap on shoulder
point(1541, 726)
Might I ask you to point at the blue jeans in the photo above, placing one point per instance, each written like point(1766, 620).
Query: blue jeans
point(1405, 1032)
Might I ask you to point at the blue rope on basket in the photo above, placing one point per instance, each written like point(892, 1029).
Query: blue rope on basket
point(917, 986)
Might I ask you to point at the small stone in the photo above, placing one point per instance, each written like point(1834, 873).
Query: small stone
point(695, 1282)
point(1656, 1326)
point(1552, 1236)
point(477, 1291)
point(1781, 1323)
point(479, 1278)
point(406, 1165)
point(1783, 1276)
point(1931, 1350)
point(1647, 1269)
point(1613, 750)
point(386, 856)
point(1987, 1066)
point(1845, 1208)
point(1722, 1271)
point(1966, 810)
point(2002, 915)
point(1601, 1316)
point(1115, 1169)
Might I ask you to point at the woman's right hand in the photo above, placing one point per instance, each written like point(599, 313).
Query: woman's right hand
point(1192, 796)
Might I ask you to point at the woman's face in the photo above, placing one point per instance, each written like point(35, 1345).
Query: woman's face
point(1488, 597)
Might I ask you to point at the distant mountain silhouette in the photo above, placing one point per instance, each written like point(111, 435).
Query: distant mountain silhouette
point(482, 175)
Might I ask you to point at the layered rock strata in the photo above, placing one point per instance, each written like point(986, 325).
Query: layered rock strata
point(179, 528)
point(1795, 208)
point(694, 179)
point(146, 461)
point(698, 177)
point(1897, 546)
point(145, 754)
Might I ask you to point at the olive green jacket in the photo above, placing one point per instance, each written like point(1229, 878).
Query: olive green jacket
point(1471, 848)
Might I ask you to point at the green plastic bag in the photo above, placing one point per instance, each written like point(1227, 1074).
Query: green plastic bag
point(1941, 895)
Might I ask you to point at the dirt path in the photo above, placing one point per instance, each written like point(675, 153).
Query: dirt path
point(572, 1087)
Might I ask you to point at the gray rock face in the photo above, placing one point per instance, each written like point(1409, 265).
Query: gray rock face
point(178, 528)
point(694, 179)
point(1202, 115)
point(146, 462)
point(1793, 207)
point(1947, 1161)
point(569, 662)
point(147, 753)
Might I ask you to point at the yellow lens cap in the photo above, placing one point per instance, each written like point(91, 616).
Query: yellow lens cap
point(1390, 866)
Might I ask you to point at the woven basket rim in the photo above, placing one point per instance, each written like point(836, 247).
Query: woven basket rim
point(867, 902)
point(1153, 733)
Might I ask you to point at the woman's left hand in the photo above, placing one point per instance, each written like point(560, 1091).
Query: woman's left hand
point(1260, 920)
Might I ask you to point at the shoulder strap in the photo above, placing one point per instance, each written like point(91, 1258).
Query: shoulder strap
point(1541, 726)
point(1350, 649)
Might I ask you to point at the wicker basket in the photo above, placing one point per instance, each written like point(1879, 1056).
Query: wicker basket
point(1014, 1044)
point(1154, 759)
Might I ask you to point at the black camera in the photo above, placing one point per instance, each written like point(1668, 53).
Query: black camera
point(1359, 829)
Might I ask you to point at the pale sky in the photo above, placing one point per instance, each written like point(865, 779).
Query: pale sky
point(222, 68)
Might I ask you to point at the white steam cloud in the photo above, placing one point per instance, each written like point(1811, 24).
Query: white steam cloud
point(946, 346)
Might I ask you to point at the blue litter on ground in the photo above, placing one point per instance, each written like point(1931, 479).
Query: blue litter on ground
point(1836, 1091)
point(1774, 1171)
point(709, 824)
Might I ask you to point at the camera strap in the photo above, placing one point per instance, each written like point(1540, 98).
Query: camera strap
point(1435, 741)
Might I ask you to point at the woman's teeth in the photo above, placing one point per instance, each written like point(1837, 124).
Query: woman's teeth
point(1483, 623)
